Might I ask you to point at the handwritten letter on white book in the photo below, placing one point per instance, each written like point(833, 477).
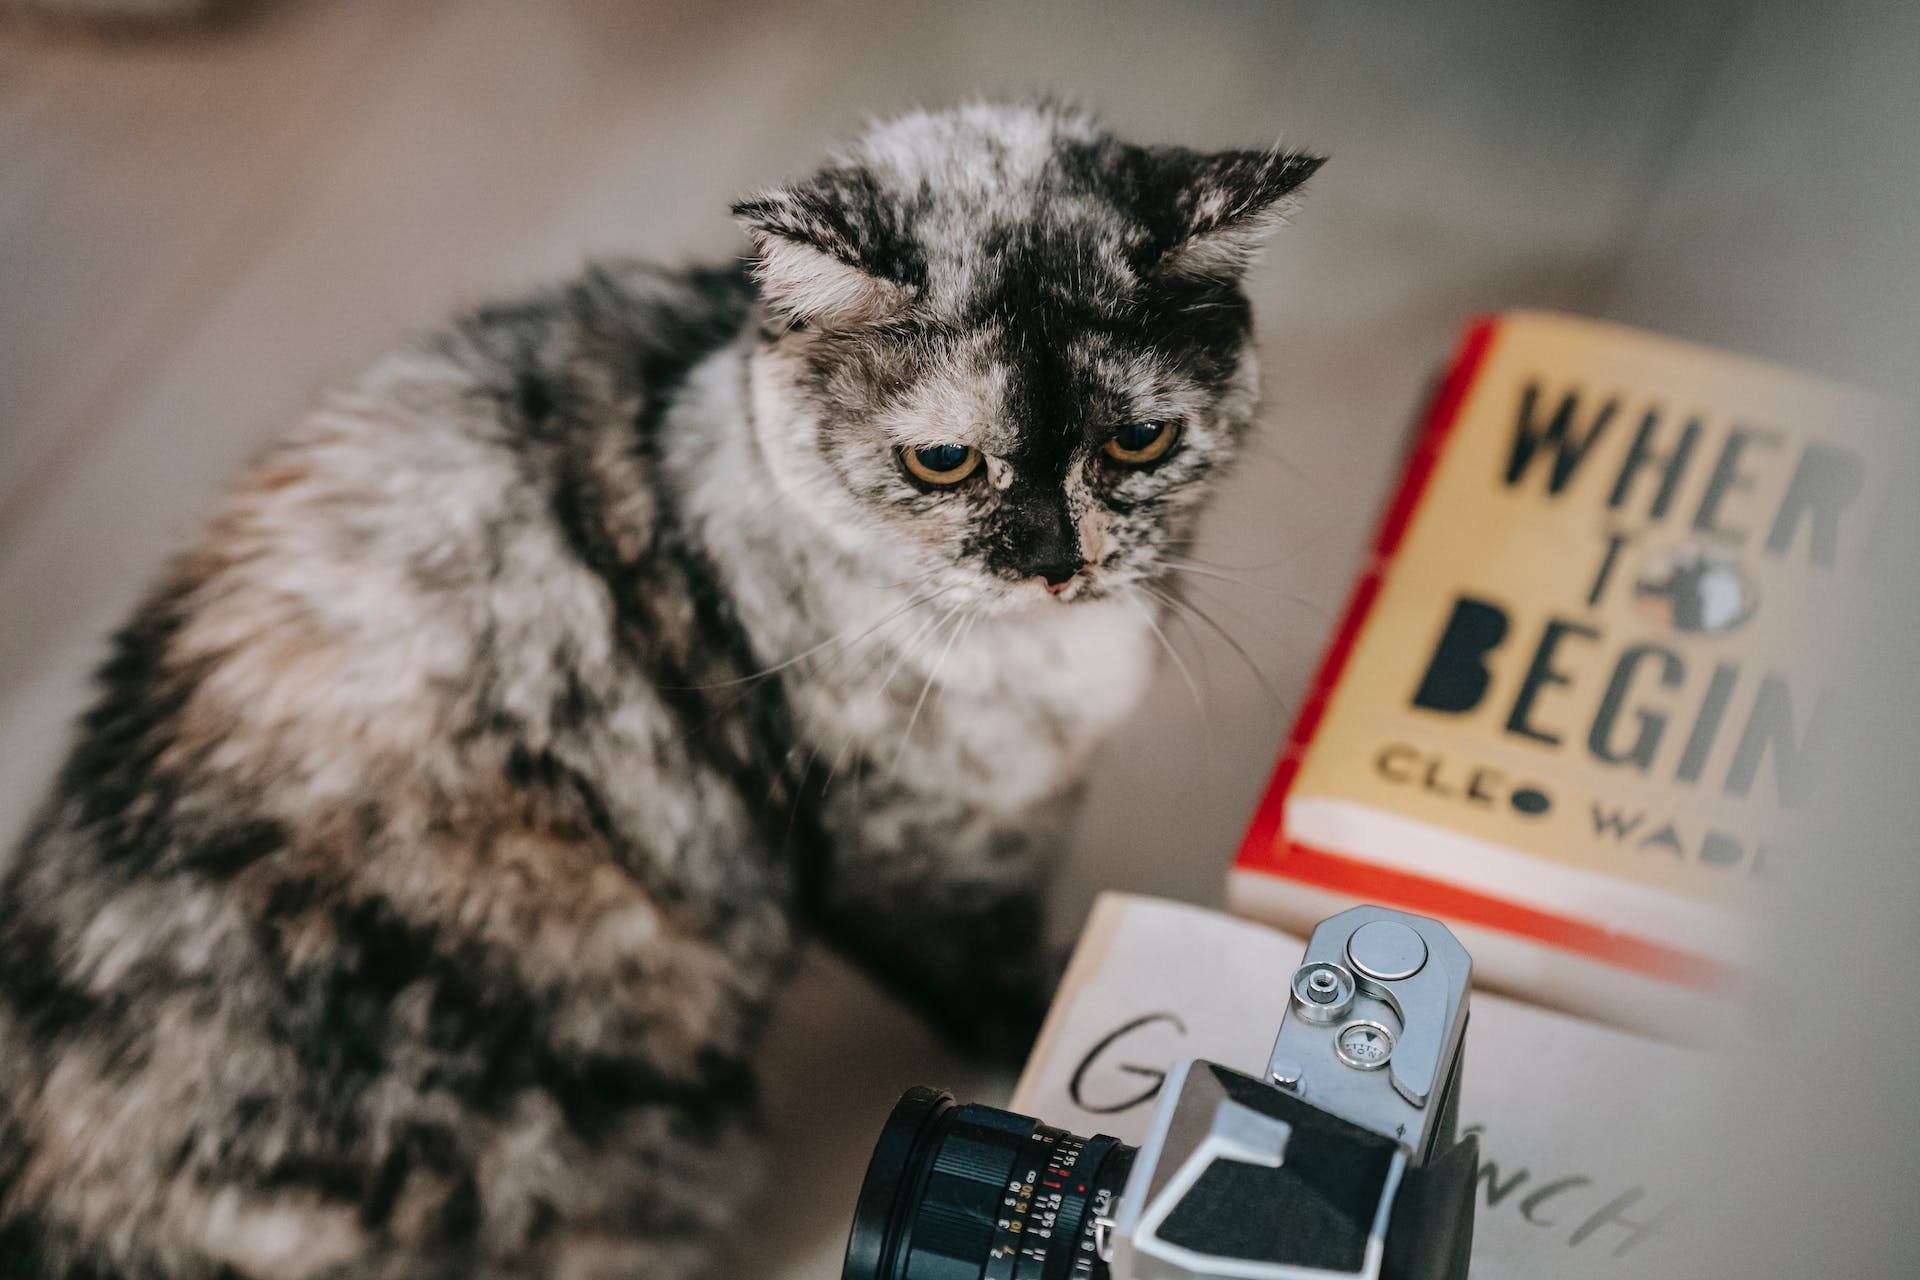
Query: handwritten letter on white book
point(1576, 1121)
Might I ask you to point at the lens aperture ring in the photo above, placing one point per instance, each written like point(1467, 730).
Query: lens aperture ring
point(976, 1193)
point(1046, 1225)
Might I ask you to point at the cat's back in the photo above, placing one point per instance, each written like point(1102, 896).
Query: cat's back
point(433, 553)
point(330, 906)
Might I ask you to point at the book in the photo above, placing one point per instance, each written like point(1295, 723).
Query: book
point(1578, 688)
point(1579, 1124)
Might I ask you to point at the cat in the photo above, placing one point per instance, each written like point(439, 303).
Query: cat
point(414, 895)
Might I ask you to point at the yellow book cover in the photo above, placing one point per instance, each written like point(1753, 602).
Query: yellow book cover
point(1579, 685)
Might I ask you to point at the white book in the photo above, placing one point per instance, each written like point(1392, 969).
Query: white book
point(1579, 1124)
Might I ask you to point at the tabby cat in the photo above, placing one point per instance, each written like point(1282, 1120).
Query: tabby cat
point(413, 898)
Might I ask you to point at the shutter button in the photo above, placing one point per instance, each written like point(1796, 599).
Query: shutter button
point(1387, 950)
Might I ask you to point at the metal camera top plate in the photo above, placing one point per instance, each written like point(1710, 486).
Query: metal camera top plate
point(1410, 978)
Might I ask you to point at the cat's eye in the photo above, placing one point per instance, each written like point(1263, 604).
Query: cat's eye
point(941, 465)
point(1138, 443)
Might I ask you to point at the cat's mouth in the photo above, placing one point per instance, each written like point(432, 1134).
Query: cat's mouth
point(1092, 581)
point(1035, 594)
point(1086, 585)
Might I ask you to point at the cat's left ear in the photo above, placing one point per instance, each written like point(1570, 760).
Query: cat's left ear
point(815, 254)
point(1219, 206)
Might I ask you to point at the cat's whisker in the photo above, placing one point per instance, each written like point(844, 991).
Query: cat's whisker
point(933, 674)
point(913, 644)
point(1319, 536)
point(1193, 687)
point(1200, 570)
point(804, 654)
point(800, 783)
point(915, 581)
point(803, 785)
point(1287, 597)
point(855, 645)
point(773, 783)
point(1174, 601)
point(846, 650)
point(1267, 450)
point(1311, 605)
point(839, 758)
point(1180, 664)
point(1197, 644)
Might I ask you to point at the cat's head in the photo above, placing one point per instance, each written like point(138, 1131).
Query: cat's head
point(1008, 350)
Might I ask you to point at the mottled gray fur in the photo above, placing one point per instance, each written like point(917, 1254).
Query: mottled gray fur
point(412, 899)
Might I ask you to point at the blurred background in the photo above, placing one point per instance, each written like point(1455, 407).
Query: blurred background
point(198, 231)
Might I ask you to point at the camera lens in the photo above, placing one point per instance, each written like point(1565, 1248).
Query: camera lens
point(975, 1193)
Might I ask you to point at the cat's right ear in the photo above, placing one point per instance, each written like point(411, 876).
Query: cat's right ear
point(808, 259)
point(1214, 209)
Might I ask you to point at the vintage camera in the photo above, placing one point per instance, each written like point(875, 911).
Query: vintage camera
point(1342, 1161)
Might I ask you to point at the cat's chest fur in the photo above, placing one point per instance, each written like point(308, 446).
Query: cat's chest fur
point(1003, 713)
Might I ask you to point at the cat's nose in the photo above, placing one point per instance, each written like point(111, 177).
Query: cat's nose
point(1040, 540)
point(1056, 574)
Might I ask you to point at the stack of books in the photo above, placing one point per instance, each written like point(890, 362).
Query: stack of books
point(1582, 682)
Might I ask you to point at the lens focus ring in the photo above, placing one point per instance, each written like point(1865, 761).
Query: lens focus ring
point(976, 1193)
